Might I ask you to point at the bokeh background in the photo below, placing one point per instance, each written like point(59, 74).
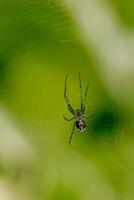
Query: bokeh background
point(41, 41)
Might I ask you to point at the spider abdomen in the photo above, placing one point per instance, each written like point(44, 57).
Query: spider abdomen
point(81, 126)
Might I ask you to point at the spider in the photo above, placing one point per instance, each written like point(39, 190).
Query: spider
point(78, 114)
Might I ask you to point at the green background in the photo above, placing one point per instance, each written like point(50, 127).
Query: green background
point(39, 44)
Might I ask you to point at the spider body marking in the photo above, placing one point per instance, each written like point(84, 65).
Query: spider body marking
point(78, 114)
point(80, 123)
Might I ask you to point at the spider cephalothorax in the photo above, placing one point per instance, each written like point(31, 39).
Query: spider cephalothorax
point(78, 115)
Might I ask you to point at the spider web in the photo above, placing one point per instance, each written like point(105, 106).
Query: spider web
point(30, 22)
point(59, 29)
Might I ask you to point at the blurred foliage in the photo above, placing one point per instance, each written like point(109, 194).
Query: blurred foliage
point(39, 43)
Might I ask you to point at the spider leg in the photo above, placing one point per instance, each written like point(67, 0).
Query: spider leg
point(81, 95)
point(72, 133)
point(68, 119)
point(90, 116)
point(66, 98)
point(83, 110)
